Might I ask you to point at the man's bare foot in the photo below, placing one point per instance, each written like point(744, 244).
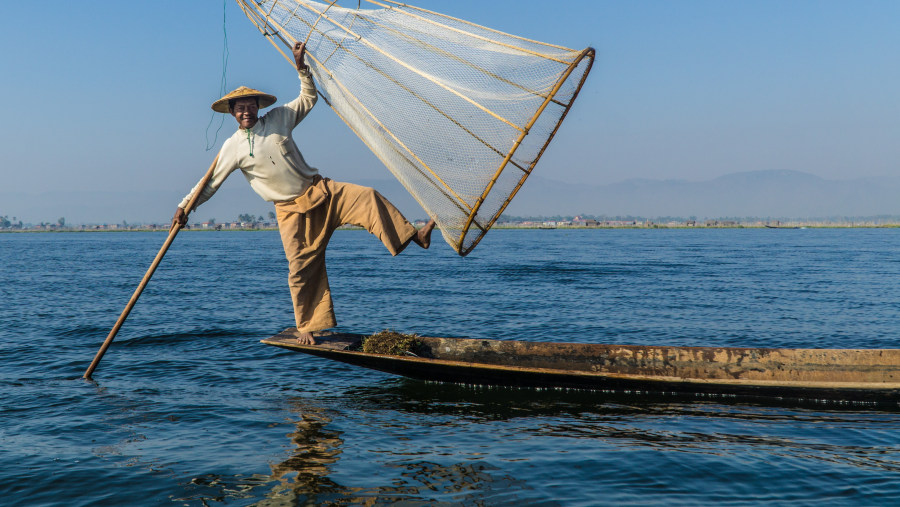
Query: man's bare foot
point(305, 338)
point(423, 237)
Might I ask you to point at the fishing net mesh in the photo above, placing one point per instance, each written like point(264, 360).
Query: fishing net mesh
point(459, 113)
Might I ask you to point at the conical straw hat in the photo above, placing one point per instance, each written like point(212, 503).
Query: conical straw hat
point(265, 100)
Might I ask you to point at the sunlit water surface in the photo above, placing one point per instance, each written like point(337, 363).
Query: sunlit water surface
point(187, 408)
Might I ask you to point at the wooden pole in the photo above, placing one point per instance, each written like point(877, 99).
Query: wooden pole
point(140, 288)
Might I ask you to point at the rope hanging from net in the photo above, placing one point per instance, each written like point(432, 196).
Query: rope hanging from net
point(459, 113)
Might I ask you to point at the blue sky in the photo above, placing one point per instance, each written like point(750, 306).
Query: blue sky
point(115, 95)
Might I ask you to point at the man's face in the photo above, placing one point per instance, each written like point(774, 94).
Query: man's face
point(244, 111)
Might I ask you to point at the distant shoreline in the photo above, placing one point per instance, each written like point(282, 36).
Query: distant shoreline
point(496, 227)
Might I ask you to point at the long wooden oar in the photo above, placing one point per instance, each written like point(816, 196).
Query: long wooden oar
point(162, 252)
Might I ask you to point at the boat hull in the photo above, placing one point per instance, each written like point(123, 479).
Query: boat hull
point(855, 375)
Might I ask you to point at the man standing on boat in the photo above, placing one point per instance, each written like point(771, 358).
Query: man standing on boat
point(308, 207)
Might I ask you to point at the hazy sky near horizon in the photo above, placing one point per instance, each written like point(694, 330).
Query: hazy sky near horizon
point(115, 95)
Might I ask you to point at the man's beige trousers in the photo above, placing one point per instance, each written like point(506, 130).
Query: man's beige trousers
point(306, 225)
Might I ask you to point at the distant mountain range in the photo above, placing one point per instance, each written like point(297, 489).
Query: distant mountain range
point(764, 194)
point(775, 194)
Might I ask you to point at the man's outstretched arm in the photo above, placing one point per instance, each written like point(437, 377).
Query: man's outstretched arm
point(226, 163)
point(294, 111)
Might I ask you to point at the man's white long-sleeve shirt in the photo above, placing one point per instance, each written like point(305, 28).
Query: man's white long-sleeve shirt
point(266, 153)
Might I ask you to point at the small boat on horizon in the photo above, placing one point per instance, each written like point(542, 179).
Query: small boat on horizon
point(847, 375)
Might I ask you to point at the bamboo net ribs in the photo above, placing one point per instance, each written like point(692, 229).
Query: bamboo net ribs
point(459, 113)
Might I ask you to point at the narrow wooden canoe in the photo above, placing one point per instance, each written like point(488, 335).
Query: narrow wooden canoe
point(852, 375)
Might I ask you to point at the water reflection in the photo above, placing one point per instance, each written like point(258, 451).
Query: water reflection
point(418, 443)
point(305, 477)
point(504, 402)
point(806, 431)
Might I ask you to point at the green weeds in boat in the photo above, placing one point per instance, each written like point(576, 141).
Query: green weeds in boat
point(391, 342)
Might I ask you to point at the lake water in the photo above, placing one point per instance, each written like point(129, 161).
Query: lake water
point(187, 408)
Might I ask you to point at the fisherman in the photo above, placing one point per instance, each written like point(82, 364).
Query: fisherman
point(308, 207)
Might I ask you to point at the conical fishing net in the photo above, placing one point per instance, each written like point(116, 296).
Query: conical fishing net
point(459, 113)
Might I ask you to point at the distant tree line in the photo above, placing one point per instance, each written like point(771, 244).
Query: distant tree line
point(6, 223)
point(251, 218)
point(601, 218)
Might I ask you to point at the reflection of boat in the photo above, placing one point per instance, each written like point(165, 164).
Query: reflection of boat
point(838, 374)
